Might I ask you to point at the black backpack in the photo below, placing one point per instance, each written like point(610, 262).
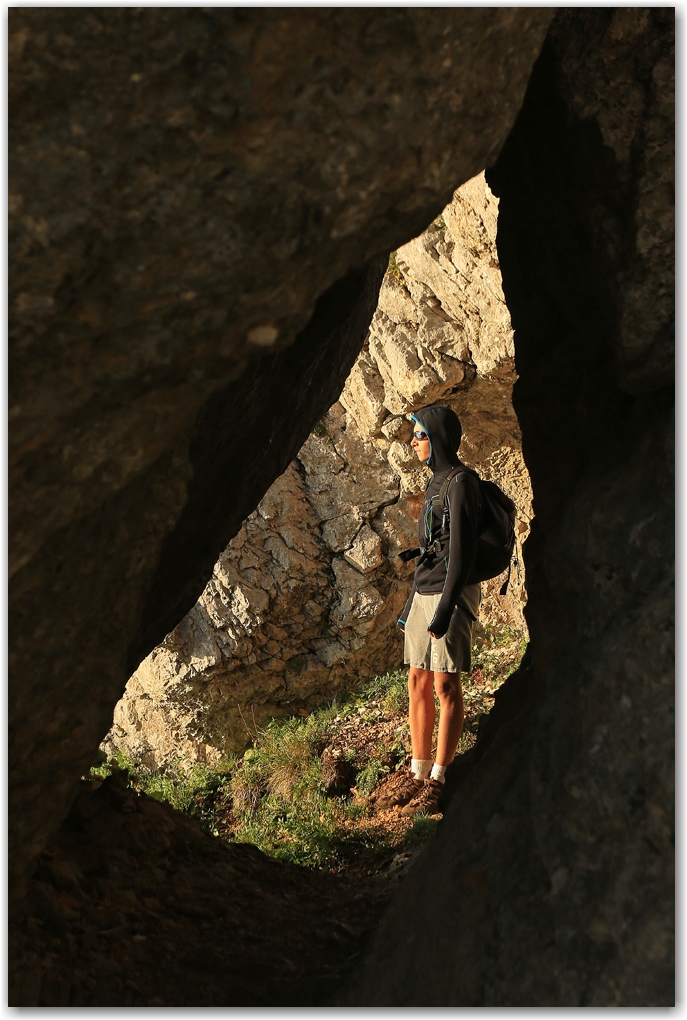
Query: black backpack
point(496, 536)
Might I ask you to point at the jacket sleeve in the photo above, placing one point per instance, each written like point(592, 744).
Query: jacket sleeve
point(463, 500)
point(401, 622)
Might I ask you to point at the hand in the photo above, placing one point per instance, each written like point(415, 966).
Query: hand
point(438, 625)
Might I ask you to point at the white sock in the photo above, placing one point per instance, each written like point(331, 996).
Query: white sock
point(438, 772)
point(420, 767)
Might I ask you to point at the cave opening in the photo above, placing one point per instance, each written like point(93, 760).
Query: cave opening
point(299, 616)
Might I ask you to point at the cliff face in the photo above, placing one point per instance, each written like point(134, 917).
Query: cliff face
point(304, 600)
point(196, 197)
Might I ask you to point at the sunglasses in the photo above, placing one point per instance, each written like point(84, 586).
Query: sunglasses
point(421, 436)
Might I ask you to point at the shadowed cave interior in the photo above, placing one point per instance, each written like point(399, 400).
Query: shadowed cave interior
point(549, 881)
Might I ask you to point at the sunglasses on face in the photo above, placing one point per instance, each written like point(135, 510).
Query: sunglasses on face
point(421, 436)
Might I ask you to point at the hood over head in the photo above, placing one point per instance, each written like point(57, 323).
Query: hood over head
point(443, 427)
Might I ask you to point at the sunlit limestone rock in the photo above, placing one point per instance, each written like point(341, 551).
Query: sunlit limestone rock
point(413, 476)
point(366, 551)
point(303, 602)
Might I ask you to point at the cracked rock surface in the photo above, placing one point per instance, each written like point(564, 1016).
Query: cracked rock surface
point(303, 602)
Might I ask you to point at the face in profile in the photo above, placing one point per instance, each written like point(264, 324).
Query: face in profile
point(420, 443)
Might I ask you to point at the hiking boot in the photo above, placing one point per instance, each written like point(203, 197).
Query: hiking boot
point(427, 801)
point(397, 790)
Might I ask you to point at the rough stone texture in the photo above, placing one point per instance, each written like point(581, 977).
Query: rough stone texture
point(194, 196)
point(304, 600)
point(551, 881)
point(133, 905)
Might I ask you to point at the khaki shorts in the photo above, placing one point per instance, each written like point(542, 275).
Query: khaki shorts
point(451, 653)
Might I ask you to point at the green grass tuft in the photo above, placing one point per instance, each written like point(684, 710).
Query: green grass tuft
point(394, 272)
point(422, 830)
point(189, 788)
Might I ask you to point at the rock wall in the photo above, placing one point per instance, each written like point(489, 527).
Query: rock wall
point(303, 601)
point(196, 195)
point(551, 882)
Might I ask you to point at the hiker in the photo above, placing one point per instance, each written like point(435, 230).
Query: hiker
point(441, 609)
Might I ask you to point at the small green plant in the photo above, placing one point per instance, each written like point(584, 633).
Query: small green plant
point(320, 431)
point(496, 654)
point(301, 830)
point(370, 776)
point(422, 830)
point(390, 691)
point(100, 768)
point(394, 272)
point(439, 222)
point(189, 788)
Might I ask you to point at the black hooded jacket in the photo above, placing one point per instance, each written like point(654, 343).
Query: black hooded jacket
point(449, 570)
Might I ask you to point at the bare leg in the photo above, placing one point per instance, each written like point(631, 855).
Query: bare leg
point(421, 711)
point(451, 715)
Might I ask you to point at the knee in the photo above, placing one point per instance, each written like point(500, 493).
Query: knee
point(447, 686)
point(419, 680)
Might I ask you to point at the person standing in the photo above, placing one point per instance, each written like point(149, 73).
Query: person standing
point(438, 617)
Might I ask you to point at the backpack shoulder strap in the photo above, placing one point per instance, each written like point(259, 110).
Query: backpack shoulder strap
point(449, 478)
point(445, 484)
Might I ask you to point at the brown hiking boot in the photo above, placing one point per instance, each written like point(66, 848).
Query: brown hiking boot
point(427, 801)
point(396, 791)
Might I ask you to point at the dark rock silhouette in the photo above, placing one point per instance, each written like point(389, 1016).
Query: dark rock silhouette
point(132, 905)
point(551, 881)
